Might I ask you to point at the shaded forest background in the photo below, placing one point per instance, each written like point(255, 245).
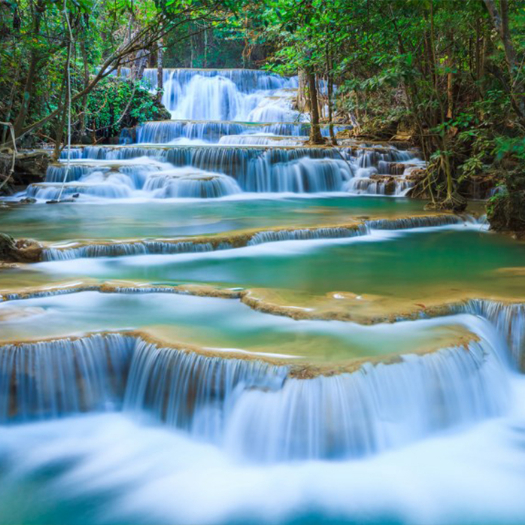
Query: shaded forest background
point(445, 75)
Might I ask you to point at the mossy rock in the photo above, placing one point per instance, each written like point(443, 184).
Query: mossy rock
point(22, 250)
point(7, 247)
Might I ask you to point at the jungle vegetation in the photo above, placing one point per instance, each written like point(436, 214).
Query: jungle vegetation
point(446, 75)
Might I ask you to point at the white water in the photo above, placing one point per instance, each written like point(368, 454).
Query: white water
point(217, 171)
point(239, 95)
point(117, 468)
point(109, 469)
point(233, 132)
point(253, 409)
point(166, 132)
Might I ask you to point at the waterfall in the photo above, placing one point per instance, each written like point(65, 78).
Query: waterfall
point(246, 80)
point(306, 234)
point(55, 174)
point(406, 223)
point(198, 172)
point(157, 180)
point(129, 248)
point(191, 391)
point(120, 249)
point(200, 185)
point(54, 378)
point(164, 132)
point(509, 319)
point(167, 131)
point(378, 186)
point(236, 94)
point(233, 131)
point(379, 407)
point(255, 409)
point(261, 140)
point(382, 172)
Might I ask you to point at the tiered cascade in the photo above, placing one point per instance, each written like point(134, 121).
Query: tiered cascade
point(257, 410)
point(233, 132)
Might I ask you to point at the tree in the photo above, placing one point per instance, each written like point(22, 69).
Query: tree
point(53, 64)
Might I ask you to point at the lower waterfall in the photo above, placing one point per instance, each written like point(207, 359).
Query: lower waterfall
point(194, 392)
point(255, 409)
point(54, 378)
point(378, 407)
point(509, 320)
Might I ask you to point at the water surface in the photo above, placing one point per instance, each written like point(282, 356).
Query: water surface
point(125, 220)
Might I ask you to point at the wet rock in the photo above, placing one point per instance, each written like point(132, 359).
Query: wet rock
point(397, 168)
point(21, 250)
point(30, 166)
point(7, 246)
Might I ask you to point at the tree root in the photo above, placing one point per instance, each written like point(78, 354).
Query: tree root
point(456, 203)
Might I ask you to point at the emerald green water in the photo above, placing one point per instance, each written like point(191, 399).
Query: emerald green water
point(391, 264)
point(217, 323)
point(119, 220)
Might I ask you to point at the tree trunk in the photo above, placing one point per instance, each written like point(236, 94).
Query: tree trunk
point(450, 79)
point(302, 100)
point(450, 95)
point(330, 91)
point(160, 70)
point(315, 130)
point(34, 60)
point(82, 123)
point(139, 64)
point(500, 21)
point(59, 134)
point(10, 106)
point(205, 48)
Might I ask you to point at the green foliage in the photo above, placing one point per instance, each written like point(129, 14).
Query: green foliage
point(118, 103)
point(39, 39)
point(434, 69)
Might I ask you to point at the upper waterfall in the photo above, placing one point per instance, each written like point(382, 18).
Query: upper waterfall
point(233, 94)
point(233, 131)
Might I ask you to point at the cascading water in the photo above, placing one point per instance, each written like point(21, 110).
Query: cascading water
point(212, 171)
point(257, 410)
point(377, 408)
point(509, 319)
point(50, 379)
point(233, 132)
point(173, 246)
point(193, 392)
point(242, 95)
point(274, 405)
point(165, 132)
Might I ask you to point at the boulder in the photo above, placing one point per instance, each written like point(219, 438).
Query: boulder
point(22, 250)
point(30, 166)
